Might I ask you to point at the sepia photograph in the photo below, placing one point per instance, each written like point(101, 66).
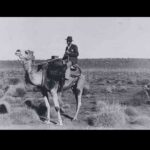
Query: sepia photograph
point(74, 73)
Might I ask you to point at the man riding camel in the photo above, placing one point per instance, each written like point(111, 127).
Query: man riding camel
point(71, 54)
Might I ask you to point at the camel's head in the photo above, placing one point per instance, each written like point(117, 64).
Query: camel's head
point(25, 55)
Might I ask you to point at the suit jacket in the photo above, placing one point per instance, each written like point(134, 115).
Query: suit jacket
point(73, 49)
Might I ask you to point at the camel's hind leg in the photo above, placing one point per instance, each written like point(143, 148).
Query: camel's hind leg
point(56, 103)
point(78, 89)
point(78, 94)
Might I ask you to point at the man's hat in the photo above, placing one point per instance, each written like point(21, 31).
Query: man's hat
point(69, 38)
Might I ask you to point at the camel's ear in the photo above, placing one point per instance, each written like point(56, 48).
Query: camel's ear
point(26, 51)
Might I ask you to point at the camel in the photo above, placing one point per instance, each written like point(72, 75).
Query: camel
point(37, 75)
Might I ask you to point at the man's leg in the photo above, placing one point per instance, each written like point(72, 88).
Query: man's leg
point(67, 73)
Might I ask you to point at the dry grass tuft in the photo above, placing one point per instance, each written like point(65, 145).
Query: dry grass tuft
point(99, 105)
point(16, 90)
point(24, 115)
point(5, 120)
point(13, 81)
point(108, 89)
point(114, 88)
point(20, 92)
point(116, 116)
point(109, 115)
point(2, 84)
point(4, 107)
point(142, 82)
point(11, 100)
point(1, 93)
point(131, 111)
point(122, 88)
point(142, 120)
point(137, 99)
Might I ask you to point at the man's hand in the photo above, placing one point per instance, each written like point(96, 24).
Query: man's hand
point(67, 52)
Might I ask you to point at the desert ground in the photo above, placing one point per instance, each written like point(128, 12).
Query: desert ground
point(116, 98)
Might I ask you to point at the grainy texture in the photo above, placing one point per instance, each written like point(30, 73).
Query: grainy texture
point(110, 87)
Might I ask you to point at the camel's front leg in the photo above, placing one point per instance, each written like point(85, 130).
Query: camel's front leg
point(48, 109)
point(61, 104)
point(56, 103)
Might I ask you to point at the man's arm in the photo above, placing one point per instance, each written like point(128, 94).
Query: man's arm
point(65, 55)
point(75, 53)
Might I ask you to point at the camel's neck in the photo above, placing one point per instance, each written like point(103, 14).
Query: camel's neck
point(35, 76)
point(28, 66)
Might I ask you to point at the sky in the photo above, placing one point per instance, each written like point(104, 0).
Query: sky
point(96, 37)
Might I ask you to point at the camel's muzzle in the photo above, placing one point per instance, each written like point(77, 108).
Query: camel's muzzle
point(18, 52)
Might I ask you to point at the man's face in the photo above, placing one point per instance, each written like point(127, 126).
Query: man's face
point(68, 42)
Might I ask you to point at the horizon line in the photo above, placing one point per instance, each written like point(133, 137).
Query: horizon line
point(86, 58)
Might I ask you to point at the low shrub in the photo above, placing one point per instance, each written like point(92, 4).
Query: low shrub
point(12, 100)
point(131, 111)
point(1, 93)
point(24, 115)
point(137, 99)
point(4, 107)
point(110, 115)
point(16, 90)
point(13, 81)
point(99, 105)
point(121, 88)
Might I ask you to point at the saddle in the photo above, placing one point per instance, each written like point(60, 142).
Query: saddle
point(56, 69)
